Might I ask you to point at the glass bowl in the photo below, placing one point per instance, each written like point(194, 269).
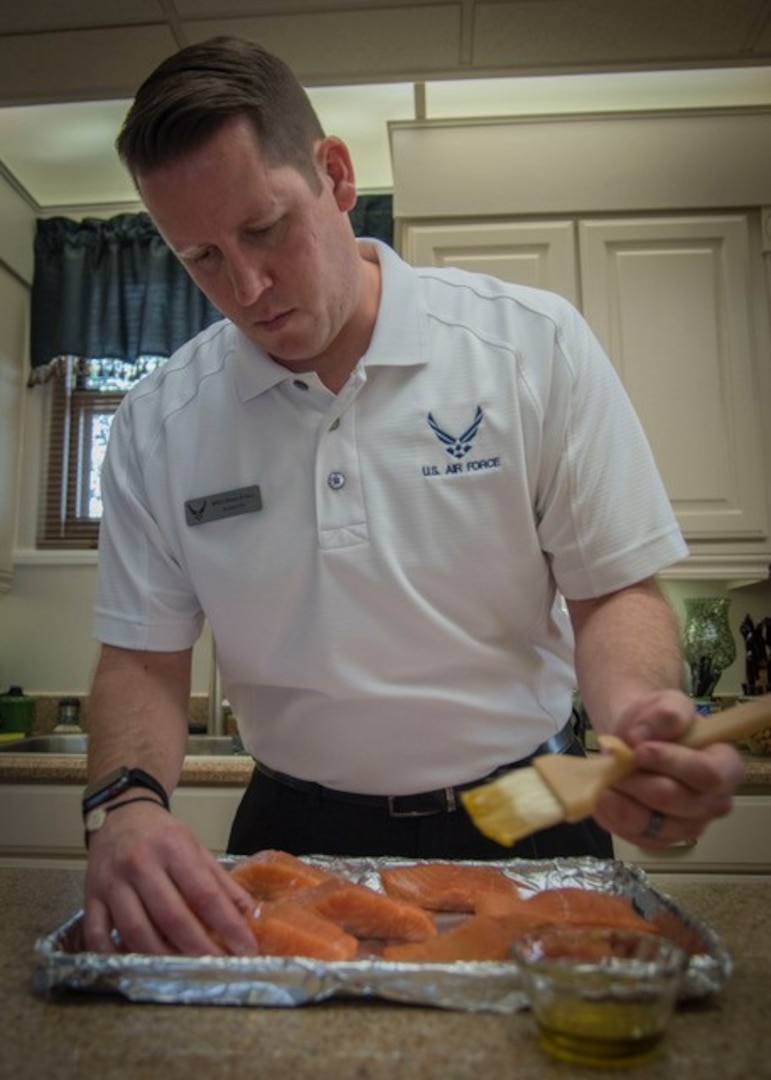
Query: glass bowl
point(600, 996)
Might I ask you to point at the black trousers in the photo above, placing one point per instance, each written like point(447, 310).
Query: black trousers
point(274, 815)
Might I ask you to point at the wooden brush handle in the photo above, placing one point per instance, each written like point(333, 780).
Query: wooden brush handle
point(735, 723)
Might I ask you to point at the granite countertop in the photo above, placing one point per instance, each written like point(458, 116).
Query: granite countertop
point(200, 769)
point(80, 1037)
point(235, 770)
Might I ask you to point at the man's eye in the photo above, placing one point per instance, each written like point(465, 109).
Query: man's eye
point(205, 259)
point(258, 233)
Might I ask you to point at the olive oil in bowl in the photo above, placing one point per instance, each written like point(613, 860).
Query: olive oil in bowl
point(600, 996)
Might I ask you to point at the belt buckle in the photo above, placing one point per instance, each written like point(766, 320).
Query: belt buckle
point(451, 803)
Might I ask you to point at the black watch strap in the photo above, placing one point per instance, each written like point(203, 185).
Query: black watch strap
point(115, 783)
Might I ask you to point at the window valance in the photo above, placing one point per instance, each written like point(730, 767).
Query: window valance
point(109, 289)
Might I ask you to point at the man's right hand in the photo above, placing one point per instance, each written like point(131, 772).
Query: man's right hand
point(152, 887)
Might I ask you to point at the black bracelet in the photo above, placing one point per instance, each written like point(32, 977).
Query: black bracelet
point(96, 818)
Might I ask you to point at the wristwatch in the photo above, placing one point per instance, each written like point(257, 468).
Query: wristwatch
point(115, 783)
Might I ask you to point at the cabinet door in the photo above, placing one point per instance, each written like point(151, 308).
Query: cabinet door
point(738, 843)
point(669, 299)
point(538, 254)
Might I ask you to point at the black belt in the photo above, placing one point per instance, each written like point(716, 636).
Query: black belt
point(422, 803)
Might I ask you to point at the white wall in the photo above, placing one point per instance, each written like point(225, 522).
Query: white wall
point(46, 645)
point(45, 629)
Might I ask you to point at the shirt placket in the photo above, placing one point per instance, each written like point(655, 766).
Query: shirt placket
point(340, 510)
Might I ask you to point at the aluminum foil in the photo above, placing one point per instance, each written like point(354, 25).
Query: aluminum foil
point(62, 964)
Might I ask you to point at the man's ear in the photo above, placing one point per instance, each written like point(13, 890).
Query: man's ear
point(334, 162)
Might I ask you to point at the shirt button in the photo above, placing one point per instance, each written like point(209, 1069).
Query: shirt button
point(336, 480)
point(300, 384)
point(335, 424)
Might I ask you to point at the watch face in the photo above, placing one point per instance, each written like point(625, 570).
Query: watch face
point(106, 786)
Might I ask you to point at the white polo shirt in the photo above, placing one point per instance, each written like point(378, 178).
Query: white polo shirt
point(380, 567)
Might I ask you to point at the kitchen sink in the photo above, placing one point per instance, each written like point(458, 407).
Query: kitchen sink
point(197, 745)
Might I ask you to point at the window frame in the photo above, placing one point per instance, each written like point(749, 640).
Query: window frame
point(63, 524)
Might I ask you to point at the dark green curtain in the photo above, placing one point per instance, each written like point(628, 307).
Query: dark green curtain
point(373, 215)
point(111, 290)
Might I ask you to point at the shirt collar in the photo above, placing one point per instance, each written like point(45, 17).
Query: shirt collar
point(398, 339)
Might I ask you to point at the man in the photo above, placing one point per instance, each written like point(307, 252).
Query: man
point(375, 482)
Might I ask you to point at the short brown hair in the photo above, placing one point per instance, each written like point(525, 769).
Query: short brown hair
point(191, 94)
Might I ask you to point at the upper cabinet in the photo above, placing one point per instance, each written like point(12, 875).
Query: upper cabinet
point(669, 300)
point(541, 254)
point(680, 301)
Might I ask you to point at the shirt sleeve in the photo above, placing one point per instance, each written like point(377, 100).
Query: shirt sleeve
point(144, 597)
point(605, 518)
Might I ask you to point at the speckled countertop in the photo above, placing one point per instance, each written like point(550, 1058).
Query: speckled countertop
point(71, 768)
point(236, 770)
point(83, 1037)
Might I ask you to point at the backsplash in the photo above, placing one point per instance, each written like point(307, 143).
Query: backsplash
point(47, 713)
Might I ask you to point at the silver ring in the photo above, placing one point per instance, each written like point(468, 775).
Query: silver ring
point(654, 826)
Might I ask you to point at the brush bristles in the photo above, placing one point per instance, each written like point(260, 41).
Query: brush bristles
point(516, 805)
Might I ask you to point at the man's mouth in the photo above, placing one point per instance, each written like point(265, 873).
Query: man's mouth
point(272, 323)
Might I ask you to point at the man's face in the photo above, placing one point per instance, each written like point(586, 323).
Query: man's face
point(275, 256)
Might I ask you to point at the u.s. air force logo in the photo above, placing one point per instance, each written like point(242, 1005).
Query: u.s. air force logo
point(458, 446)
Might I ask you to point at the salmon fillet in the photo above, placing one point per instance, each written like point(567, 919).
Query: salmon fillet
point(499, 903)
point(270, 874)
point(480, 937)
point(586, 907)
point(501, 918)
point(284, 929)
point(366, 913)
point(445, 886)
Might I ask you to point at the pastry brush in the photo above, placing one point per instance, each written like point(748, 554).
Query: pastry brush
point(562, 787)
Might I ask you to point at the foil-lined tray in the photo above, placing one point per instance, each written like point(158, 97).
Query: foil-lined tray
point(62, 963)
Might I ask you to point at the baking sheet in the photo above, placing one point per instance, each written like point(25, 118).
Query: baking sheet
point(62, 964)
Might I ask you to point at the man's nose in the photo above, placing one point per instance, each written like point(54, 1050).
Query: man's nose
point(248, 279)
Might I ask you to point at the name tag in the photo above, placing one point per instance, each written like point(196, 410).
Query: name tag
point(225, 504)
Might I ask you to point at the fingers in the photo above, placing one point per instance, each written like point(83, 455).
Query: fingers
point(160, 891)
point(220, 907)
point(686, 789)
point(664, 716)
point(650, 827)
point(97, 927)
point(715, 771)
point(675, 792)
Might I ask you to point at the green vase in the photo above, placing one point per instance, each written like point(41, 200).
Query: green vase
point(708, 642)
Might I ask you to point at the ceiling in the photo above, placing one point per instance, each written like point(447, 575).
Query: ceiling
point(68, 68)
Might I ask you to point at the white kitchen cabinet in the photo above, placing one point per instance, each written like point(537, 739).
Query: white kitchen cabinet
point(541, 254)
point(668, 298)
point(41, 823)
point(681, 306)
point(739, 843)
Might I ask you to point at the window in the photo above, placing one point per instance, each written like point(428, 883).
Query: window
point(102, 288)
point(84, 400)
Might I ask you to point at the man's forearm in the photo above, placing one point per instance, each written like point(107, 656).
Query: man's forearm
point(138, 712)
point(627, 645)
